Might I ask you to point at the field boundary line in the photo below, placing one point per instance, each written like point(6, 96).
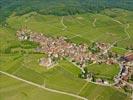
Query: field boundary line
point(16, 70)
point(82, 87)
point(42, 87)
point(66, 70)
point(76, 20)
point(77, 35)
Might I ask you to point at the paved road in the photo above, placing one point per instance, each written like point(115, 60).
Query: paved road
point(42, 87)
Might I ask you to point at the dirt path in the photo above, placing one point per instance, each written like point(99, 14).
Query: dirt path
point(94, 22)
point(125, 30)
point(62, 22)
point(128, 25)
point(117, 21)
point(43, 87)
point(77, 35)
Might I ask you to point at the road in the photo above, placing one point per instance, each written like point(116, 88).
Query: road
point(43, 87)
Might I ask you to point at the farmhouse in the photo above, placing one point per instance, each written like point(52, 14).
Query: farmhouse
point(47, 62)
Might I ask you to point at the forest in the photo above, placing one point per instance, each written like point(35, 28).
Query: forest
point(59, 7)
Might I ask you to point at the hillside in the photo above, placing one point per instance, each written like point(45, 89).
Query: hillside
point(21, 60)
point(70, 26)
point(59, 7)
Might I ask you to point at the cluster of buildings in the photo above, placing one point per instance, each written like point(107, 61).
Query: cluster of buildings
point(126, 65)
point(57, 48)
point(103, 53)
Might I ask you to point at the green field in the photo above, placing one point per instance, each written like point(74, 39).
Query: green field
point(120, 51)
point(104, 71)
point(63, 77)
point(82, 28)
point(18, 58)
point(12, 89)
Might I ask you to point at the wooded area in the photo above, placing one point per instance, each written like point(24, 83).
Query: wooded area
point(59, 7)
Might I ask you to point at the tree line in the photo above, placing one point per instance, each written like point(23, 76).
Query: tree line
point(59, 7)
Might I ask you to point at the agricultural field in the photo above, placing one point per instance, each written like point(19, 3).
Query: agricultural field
point(18, 58)
point(80, 28)
point(63, 77)
point(12, 89)
point(104, 70)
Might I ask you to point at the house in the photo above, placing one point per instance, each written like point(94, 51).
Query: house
point(99, 80)
point(46, 62)
point(22, 34)
point(128, 57)
point(110, 61)
point(106, 82)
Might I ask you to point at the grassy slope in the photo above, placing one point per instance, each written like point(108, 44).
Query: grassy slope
point(118, 50)
point(96, 92)
point(125, 17)
point(104, 70)
point(11, 89)
point(58, 7)
point(105, 28)
point(63, 77)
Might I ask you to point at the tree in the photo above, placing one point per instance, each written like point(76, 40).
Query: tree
point(85, 72)
point(93, 78)
point(131, 77)
point(127, 89)
point(110, 54)
point(115, 44)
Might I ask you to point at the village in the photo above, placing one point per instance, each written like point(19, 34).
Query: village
point(60, 48)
